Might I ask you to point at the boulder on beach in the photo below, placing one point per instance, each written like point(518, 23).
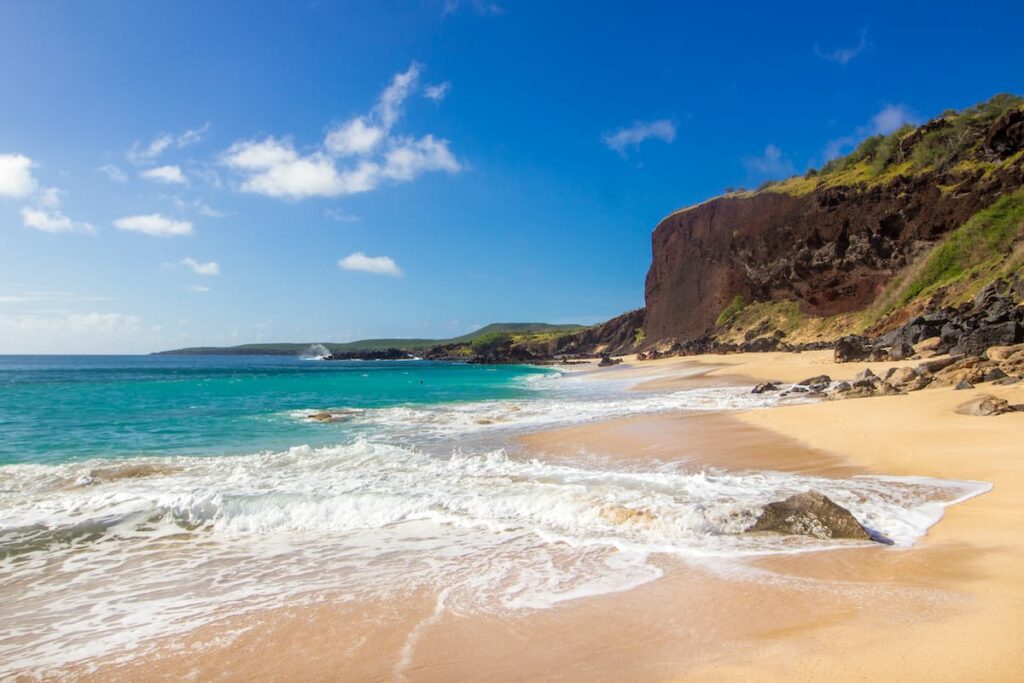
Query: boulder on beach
point(810, 514)
point(984, 406)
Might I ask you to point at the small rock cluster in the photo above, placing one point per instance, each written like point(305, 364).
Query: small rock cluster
point(1000, 365)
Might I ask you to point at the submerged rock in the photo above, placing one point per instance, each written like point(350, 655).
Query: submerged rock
point(810, 514)
point(620, 514)
point(765, 387)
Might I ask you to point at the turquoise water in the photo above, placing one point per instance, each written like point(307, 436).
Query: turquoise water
point(63, 408)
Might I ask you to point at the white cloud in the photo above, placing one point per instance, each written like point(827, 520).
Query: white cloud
point(52, 221)
point(114, 173)
point(844, 55)
point(379, 265)
point(46, 215)
point(355, 137)
point(199, 289)
point(770, 164)
point(891, 118)
point(154, 224)
point(275, 168)
point(200, 268)
point(624, 138)
point(166, 174)
point(140, 154)
point(437, 92)
point(16, 176)
point(409, 158)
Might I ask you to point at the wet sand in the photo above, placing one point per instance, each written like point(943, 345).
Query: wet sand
point(949, 609)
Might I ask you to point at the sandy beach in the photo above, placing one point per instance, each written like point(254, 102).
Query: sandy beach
point(949, 609)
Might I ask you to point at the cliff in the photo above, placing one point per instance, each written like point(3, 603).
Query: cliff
point(834, 241)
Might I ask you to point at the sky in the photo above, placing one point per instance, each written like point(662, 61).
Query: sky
point(213, 173)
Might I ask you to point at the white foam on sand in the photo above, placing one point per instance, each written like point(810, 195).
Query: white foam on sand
point(95, 558)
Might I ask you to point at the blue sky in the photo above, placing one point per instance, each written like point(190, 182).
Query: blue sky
point(181, 173)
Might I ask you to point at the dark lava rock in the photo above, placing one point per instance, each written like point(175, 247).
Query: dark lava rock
point(853, 348)
point(765, 387)
point(814, 381)
point(1000, 334)
point(607, 361)
point(810, 514)
point(963, 384)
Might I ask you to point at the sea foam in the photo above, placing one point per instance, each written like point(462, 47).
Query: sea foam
point(202, 538)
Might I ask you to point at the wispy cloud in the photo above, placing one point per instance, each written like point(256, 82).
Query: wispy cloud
point(192, 135)
point(200, 268)
point(369, 153)
point(437, 92)
point(103, 323)
point(142, 153)
point(378, 265)
point(771, 164)
point(844, 55)
point(114, 173)
point(154, 224)
point(481, 7)
point(171, 175)
point(199, 289)
point(36, 296)
point(341, 216)
point(632, 136)
point(16, 179)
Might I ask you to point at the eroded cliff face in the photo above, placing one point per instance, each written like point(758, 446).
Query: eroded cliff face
point(832, 248)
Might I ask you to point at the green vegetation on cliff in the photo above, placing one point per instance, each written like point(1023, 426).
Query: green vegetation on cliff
point(954, 143)
point(730, 311)
point(983, 246)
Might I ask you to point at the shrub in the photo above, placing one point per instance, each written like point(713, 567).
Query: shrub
point(730, 311)
point(639, 336)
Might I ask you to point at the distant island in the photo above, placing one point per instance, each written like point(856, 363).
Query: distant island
point(490, 339)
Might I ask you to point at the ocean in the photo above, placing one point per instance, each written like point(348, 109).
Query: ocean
point(142, 497)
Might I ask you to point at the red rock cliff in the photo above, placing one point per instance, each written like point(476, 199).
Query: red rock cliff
point(832, 249)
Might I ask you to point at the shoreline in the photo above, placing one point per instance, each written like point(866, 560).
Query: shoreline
point(806, 614)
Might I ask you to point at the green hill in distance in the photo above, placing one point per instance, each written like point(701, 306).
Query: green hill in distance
point(533, 330)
